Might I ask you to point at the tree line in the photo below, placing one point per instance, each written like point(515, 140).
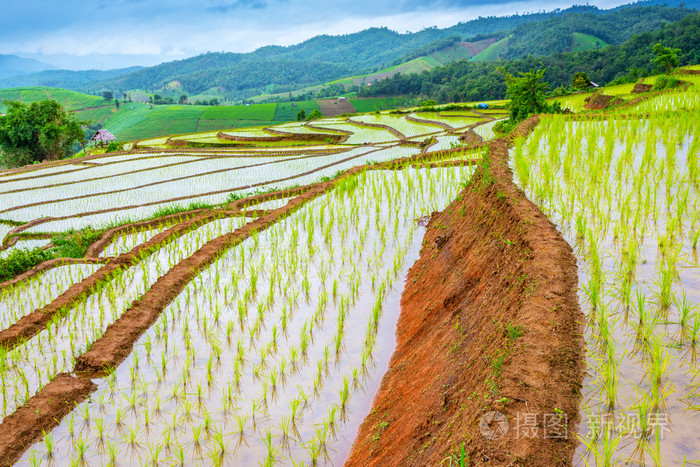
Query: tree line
point(472, 81)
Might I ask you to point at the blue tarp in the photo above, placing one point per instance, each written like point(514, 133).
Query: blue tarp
point(483, 106)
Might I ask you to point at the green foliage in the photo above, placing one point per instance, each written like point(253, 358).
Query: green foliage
point(21, 260)
point(473, 81)
point(41, 130)
point(581, 81)
point(114, 146)
point(68, 99)
point(428, 103)
point(493, 52)
point(514, 331)
point(315, 115)
point(261, 112)
point(74, 243)
point(665, 82)
point(666, 57)
point(107, 95)
point(526, 93)
point(301, 116)
point(177, 208)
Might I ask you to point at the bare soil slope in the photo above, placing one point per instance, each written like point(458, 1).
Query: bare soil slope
point(489, 321)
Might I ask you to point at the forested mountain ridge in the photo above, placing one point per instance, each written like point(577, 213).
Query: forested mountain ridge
point(469, 81)
point(277, 69)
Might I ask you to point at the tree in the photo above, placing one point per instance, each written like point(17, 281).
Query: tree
point(38, 131)
point(580, 81)
point(526, 94)
point(666, 57)
point(301, 115)
point(116, 103)
point(316, 114)
point(107, 95)
point(183, 99)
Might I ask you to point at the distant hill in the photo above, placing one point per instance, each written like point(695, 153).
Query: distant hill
point(12, 65)
point(371, 54)
point(85, 81)
point(275, 69)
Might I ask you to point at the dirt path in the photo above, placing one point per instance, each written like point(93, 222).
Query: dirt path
point(490, 322)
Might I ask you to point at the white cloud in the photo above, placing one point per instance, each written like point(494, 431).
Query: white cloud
point(148, 30)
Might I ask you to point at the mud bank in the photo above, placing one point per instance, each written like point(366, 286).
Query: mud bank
point(489, 322)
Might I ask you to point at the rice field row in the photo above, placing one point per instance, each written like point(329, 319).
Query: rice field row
point(625, 193)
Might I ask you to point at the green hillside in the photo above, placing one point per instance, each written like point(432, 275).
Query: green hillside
point(493, 52)
point(582, 42)
point(69, 99)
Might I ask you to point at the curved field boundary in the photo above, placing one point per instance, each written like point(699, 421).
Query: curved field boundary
point(430, 122)
point(335, 137)
point(118, 340)
point(150, 153)
point(348, 133)
point(492, 264)
point(183, 198)
point(50, 264)
point(488, 119)
point(122, 190)
point(24, 426)
point(34, 167)
point(32, 323)
point(27, 424)
point(77, 169)
point(310, 137)
point(96, 248)
point(83, 180)
point(391, 130)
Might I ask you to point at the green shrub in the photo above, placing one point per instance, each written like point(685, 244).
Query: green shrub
point(114, 146)
point(21, 260)
point(74, 243)
point(665, 82)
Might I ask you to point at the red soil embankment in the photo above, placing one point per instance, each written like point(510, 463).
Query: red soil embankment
point(489, 322)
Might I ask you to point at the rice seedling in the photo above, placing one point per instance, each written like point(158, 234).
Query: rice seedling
point(618, 191)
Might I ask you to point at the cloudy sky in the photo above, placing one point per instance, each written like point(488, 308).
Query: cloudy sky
point(102, 34)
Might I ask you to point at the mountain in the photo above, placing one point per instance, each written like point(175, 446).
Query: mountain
point(373, 53)
point(465, 81)
point(276, 69)
point(12, 65)
point(83, 81)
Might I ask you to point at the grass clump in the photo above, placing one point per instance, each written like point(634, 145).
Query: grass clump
point(666, 82)
point(21, 260)
point(74, 243)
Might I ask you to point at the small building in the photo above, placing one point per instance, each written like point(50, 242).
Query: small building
point(593, 85)
point(102, 137)
point(342, 99)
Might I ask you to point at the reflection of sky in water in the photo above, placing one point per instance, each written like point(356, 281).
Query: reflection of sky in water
point(677, 420)
point(360, 243)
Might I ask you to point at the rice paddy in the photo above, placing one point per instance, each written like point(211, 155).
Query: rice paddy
point(272, 353)
point(624, 192)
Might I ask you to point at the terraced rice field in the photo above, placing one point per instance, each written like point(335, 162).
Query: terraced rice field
point(238, 305)
point(623, 189)
point(290, 270)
